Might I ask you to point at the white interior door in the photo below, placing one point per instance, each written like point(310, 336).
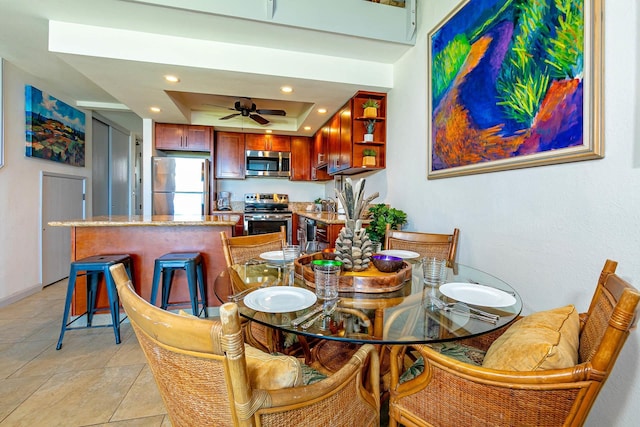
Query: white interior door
point(62, 199)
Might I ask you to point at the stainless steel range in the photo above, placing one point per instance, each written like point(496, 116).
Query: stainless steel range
point(266, 213)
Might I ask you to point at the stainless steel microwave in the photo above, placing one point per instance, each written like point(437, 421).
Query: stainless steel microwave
point(268, 163)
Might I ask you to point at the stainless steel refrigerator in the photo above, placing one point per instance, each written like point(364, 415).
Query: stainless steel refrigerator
point(180, 186)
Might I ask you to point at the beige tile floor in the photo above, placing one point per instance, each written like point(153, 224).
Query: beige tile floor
point(90, 381)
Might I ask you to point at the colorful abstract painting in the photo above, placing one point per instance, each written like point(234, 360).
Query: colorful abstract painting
point(55, 130)
point(514, 83)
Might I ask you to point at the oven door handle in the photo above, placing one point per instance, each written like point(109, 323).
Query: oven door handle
point(266, 217)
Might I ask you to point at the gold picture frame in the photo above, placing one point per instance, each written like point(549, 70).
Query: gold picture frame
point(505, 92)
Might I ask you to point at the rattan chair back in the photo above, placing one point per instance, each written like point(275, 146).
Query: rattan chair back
point(450, 392)
point(442, 246)
point(240, 249)
point(200, 368)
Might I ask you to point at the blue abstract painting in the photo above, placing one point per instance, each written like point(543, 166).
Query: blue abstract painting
point(507, 81)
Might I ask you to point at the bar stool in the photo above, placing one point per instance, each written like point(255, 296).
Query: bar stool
point(165, 266)
point(93, 267)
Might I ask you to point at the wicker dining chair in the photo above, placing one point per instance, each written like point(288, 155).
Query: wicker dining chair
point(205, 374)
point(449, 392)
point(443, 246)
point(241, 249)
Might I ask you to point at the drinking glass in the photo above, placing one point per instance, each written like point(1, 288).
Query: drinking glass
point(327, 275)
point(290, 253)
point(434, 270)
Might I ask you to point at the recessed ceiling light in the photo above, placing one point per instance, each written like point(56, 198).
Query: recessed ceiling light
point(155, 109)
point(286, 89)
point(322, 110)
point(171, 79)
point(307, 128)
point(268, 131)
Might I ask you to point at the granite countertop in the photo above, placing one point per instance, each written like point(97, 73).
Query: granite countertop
point(226, 219)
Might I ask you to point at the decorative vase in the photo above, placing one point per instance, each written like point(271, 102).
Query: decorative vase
point(371, 112)
point(368, 137)
point(368, 160)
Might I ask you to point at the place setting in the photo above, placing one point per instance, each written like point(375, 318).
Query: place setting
point(464, 296)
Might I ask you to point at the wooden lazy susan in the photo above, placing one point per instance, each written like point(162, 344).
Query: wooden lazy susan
point(368, 281)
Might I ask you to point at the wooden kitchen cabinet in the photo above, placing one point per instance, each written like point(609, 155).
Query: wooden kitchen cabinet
point(340, 145)
point(346, 142)
point(229, 155)
point(261, 142)
point(301, 150)
point(178, 137)
point(319, 155)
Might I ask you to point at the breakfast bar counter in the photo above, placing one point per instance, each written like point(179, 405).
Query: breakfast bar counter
point(146, 238)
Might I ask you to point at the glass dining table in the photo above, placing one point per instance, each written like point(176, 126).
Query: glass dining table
point(412, 314)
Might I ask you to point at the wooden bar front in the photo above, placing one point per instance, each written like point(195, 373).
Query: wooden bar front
point(145, 243)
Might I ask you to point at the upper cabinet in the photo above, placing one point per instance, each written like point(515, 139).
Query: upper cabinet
point(229, 155)
point(301, 150)
point(319, 155)
point(176, 137)
point(357, 135)
point(267, 142)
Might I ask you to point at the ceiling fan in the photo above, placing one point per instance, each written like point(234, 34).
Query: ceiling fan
point(246, 108)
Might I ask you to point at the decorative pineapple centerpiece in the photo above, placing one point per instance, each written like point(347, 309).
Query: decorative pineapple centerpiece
point(353, 245)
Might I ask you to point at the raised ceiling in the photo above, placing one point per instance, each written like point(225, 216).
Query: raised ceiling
point(112, 56)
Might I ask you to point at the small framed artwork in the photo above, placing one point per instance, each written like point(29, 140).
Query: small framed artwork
point(514, 84)
point(54, 130)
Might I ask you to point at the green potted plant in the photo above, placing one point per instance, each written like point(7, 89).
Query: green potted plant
point(370, 126)
point(369, 157)
point(371, 108)
point(381, 215)
point(318, 203)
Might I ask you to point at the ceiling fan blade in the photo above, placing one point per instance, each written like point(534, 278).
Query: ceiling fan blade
point(229, 116)
point(272, 112)
point(259, 119)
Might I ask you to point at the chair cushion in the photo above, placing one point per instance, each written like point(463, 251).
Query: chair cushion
point(540, 341)
point(460, 352)
point(272, 372)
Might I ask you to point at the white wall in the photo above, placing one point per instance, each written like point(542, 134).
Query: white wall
point(20, 191)
point(546, 230)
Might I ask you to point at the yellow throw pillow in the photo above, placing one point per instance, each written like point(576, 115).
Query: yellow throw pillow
point(271, 372)
point(540, 341)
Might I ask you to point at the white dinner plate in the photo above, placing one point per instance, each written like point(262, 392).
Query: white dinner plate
point(273, 256)
point(280, 299)
point(400, 253)
point(472, 293)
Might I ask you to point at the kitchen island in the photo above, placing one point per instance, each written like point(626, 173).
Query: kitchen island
point(146, 238)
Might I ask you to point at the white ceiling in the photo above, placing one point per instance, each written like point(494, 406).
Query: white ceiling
point(111, 56)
